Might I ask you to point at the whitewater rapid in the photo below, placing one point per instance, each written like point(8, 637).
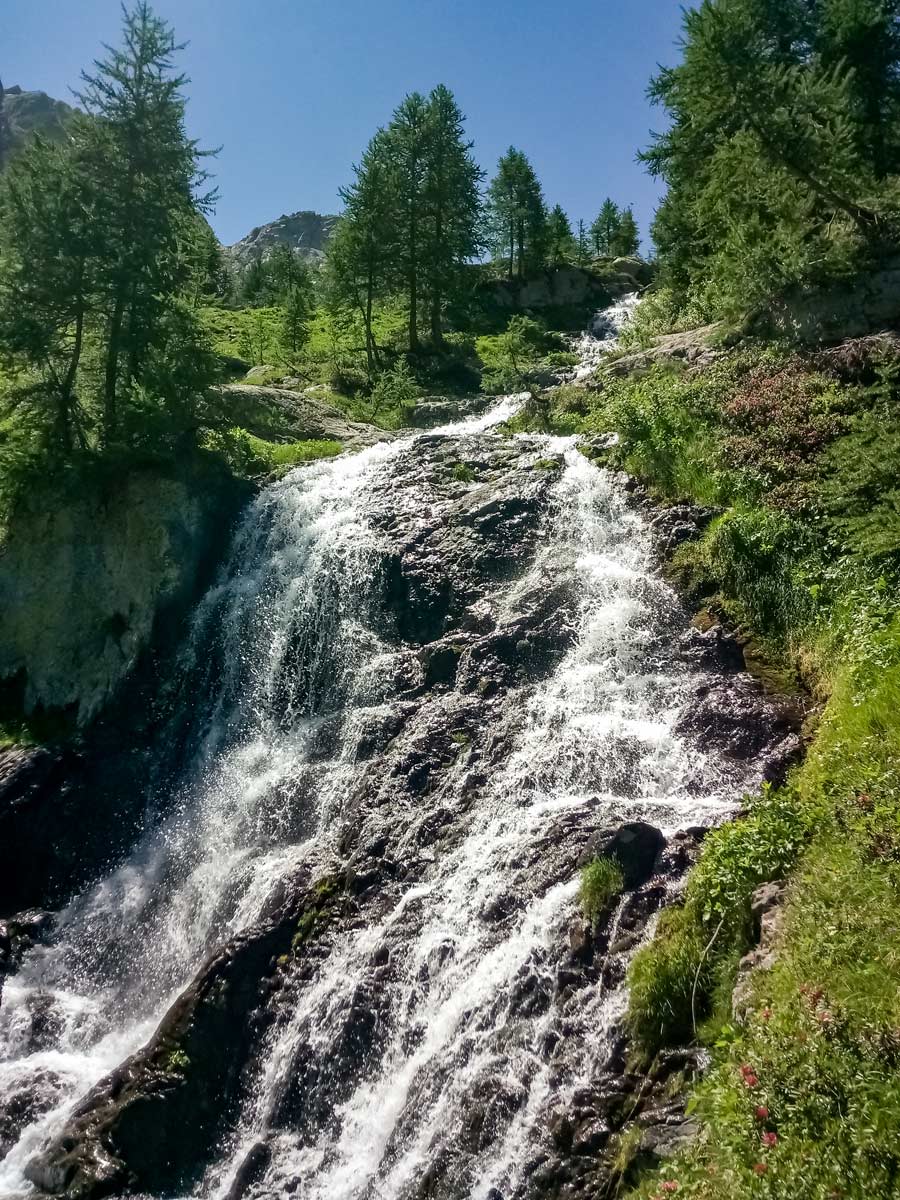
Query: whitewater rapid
point(288, 653)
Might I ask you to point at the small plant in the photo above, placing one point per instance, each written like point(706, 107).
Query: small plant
point(177, 1060)
point(601, 881)
point(463, 473)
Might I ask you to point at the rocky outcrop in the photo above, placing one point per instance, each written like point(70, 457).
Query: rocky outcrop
point(561, 286)
point(155, 1120)
point(86, 580)
point(865, 304)
point(305, 232)
point(283, 415)
point(34, 112)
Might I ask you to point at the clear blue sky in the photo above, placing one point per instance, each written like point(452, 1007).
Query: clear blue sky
point(293, 89)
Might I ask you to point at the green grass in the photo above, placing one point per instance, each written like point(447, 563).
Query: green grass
point(601, 882)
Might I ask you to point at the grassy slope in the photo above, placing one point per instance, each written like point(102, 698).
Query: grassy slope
point(803, 1098)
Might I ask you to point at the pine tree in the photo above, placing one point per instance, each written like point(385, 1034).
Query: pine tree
point(626, 239)
point(605, 227)
point(138, 104)
point(517, 216)
point(561, 246)
point(452, 204)
point(296, 310)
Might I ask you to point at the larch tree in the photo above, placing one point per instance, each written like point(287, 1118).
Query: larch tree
point(517, 215)
point(561, 247)
point(626, 239)
point(605, 227)
point(363, 250)
point(452, 204)
point(407, 140)
point(138, 104)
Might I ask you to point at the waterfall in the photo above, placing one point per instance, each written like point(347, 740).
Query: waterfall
point(318, 736)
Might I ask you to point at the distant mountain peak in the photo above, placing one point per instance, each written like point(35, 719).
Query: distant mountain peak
point(305, 231)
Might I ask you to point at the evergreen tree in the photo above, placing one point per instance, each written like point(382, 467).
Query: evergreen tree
point(407, 141)
point(517, 216)
point(781, 145)
point(296, 310)
point(561, 246)
point(138, 104)
point(51, 251)
point(605, 228)
point(256, 286)
point(363, 248)
point(452, 204)
point(626, 239)
point(582, 244)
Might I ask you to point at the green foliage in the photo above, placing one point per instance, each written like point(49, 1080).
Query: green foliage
point(781, 156)
point(601, 882)
point(605, 228)
point(394, 395)
point(463, 473)
point(253, 457)
point(100, 244)
point(511, 356)
point(411, 221)
point(517, 215)
point(561, 246)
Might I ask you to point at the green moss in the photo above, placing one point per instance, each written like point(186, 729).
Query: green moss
point(601, 882)
point(548, 464)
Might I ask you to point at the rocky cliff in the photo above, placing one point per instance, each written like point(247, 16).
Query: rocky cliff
point(85, 583)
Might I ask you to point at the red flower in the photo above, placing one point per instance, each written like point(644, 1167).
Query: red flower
point(766, 1014)
point(670, 1186)
point(762, 1113)
point(760, 1168)
point(751, 1080)
point(770, 1139)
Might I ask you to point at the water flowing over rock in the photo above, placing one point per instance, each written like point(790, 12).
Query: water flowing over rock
point(347, 959)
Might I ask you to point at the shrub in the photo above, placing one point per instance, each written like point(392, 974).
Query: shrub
point(463, 473)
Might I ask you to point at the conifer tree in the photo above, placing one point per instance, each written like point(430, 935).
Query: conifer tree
point(407, 144)
point(452, 203)
point(626, 239)
point(561, 246)
point(582, 244)
point(517, 216)
point(154, 168)
point(363, 248)
point(605, 227)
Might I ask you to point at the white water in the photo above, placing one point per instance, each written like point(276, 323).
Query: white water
point(288, 641)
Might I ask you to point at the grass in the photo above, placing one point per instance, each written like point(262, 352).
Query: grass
point(601, 882)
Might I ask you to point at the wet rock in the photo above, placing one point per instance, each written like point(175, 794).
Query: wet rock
point(634, 845)
point(153, 1122)
point(250, 1171)
point(767, 912)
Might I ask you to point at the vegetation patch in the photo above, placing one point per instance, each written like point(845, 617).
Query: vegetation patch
point(601, 882)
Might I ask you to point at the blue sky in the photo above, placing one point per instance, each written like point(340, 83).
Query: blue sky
point(293, 89)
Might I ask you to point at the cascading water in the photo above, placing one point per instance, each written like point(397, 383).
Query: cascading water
point(438, 666)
